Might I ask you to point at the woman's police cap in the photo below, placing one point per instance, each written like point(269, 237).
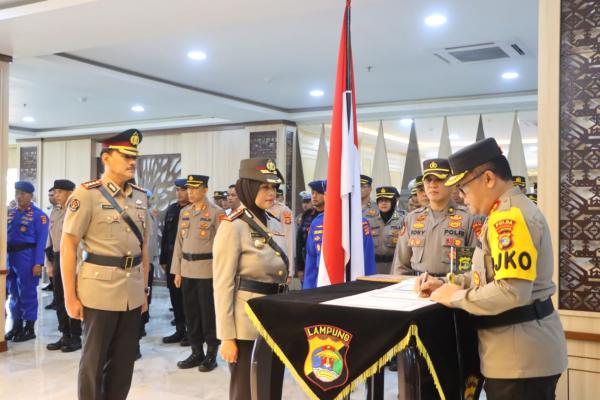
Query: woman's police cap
point(386, 192)
point(261, 170)
point(467, 158)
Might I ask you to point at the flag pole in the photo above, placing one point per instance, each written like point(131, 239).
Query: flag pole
point(350, 116)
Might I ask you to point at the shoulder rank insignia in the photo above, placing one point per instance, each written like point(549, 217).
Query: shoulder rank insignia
point(456, 217)
point(236, 214)
point(92, 184)
point(136, 187)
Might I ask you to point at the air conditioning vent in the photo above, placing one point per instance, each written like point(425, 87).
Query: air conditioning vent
point(479, 52)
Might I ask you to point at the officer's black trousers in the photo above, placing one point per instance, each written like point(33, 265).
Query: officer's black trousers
point(69, 327)
point(239, 383)
point(110, 340)
point(176, 299)
point(199, 306)
point(542, 388)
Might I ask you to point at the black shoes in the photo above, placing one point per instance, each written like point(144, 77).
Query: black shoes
point(27, 333)
point(192, 361)
point(72, 344)
point(209, 363)
point(177, 337)
point(15, 331)
point(58, 344)
point(184, 341)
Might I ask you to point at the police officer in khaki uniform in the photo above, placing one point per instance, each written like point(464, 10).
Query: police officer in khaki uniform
point(432, 234)
point(247, 265)
point(369, 208)
point(109, 291)
point(192, 266)
point(70, 328)
point(521, 340)
point(386, 228)
point(285, 216)
point(422, 199)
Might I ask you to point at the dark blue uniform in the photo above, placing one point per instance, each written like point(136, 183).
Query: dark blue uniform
point(167, 246)
point(313, 251)
point(303, 228)
point(27, 235)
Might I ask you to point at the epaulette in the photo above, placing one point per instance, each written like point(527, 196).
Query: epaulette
point(234, 215)
point(141, 189)
point(92, 184)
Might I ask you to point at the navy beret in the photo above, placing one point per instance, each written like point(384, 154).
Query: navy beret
point(24, 186)
point(181, 182)
point(318, 186)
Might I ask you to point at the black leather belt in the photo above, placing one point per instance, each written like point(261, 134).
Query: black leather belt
point(126, 262)
point(196, 257)
point(379, 258)
point(260, 287)
point(13, 248)
point(535, 311)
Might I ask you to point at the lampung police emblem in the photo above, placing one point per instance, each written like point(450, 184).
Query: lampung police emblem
point(325, 363)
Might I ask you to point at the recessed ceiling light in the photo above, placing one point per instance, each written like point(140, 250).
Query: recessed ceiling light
point(28, 119)
point(406, 121)
point(317, 93)
point(137, 108)
point(196, 55)
point(510, 75)
point(435, 20)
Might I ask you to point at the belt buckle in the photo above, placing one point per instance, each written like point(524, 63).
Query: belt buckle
point(128, 263)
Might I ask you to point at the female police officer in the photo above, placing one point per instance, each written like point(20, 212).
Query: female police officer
point(247, 265)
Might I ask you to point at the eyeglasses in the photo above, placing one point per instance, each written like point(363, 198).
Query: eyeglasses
point(461, 187)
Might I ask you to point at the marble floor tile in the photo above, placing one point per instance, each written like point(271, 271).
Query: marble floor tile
point(29, 371)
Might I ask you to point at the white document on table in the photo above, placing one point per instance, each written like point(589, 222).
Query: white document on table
point(398, 297)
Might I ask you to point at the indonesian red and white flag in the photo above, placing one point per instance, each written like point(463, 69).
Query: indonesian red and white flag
point(342, 255)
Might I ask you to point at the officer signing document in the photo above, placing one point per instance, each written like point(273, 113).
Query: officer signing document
point(521, 340)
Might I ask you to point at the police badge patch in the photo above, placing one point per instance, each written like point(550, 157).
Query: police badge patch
point(325, 363)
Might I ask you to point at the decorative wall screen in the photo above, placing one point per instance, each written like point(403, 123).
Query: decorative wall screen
point(579, 156)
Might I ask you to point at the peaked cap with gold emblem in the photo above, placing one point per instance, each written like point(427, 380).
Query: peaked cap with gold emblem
point(260, 169)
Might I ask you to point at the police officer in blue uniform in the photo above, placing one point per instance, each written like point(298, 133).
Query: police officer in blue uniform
point(167, 246)
point(318, 205)
point(314, 242)
point(27, 235)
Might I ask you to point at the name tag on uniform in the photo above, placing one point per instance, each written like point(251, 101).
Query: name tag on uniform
point(107, 207)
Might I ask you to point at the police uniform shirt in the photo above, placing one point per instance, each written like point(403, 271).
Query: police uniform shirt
point(238, 251)
point(513, 267)
point(385, 235)
point(57, 217)
point(195, 235)
point(28, 226)
point(370, 212)
point(285, 216)
point(91, 217)
point(426, 240)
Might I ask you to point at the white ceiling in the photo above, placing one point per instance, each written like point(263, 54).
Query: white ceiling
point(264, 56)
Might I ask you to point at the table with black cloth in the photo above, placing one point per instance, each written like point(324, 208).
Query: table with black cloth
point(347, 345)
